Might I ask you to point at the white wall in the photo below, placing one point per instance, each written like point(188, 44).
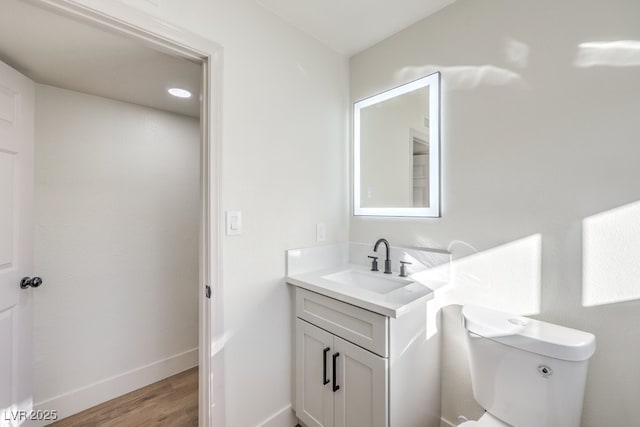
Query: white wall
point(540, 175)
point(116, 241)
point(285, 101)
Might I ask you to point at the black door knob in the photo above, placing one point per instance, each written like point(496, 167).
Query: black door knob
point(30, 282)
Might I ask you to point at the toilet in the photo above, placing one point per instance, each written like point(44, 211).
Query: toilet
point(525, 372)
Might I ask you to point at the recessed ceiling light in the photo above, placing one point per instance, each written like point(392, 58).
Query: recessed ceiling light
point(180, 93)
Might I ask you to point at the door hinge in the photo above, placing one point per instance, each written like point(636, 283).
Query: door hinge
point(207, 291)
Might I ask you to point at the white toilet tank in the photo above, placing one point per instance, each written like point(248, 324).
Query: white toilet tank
point(525, 372)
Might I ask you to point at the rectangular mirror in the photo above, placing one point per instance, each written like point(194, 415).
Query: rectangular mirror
point(396, 151)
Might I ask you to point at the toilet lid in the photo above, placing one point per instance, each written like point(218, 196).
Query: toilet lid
point(528, 334)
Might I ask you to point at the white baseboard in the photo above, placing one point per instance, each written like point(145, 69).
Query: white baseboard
point(282, 418)
point(78, 400)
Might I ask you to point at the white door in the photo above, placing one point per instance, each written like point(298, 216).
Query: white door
point(362, 399)
point(314, 381)
point(16, 228)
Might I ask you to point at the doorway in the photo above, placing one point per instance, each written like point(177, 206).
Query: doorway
point(205, 238)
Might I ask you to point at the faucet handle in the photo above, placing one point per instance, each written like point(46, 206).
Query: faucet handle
point(403, 268)
point(374, 263)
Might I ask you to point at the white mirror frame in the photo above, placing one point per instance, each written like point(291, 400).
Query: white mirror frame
point(433, 210)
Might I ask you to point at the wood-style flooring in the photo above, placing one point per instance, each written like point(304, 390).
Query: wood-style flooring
point(172, 402)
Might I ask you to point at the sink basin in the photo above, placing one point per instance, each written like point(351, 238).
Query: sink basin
point(374, 282)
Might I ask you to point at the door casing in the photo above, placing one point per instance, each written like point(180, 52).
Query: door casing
point(152, 32)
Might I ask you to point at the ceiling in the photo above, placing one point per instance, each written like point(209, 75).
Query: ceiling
point(62, 52)
point(351, 26)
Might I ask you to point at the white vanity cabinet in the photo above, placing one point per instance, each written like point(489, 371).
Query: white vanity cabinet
point(357, 368)
point(338, 383)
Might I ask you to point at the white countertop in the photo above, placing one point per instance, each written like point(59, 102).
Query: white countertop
point(391, 304)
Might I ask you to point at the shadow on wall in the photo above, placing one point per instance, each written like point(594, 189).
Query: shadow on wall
point(611, 256)
point(621, 53)
point(507, 277)
point(465, 77)
point(469, 77)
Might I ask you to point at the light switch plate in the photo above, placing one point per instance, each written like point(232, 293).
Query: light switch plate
point(234, 223)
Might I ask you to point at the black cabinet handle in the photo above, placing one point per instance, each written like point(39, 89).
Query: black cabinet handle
point(336, 387)
point(325, 380)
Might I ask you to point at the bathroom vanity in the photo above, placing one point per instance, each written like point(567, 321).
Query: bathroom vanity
point(363, 356)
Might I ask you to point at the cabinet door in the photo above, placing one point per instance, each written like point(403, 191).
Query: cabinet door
point(362, 399)
point(314, 396)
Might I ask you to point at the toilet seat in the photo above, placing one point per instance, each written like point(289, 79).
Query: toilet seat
point(487, 420)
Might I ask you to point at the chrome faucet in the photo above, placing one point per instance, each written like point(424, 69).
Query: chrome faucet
point(387, 261)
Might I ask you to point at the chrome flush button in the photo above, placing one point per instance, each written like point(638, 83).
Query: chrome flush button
point(545, 371)
point(517, 322)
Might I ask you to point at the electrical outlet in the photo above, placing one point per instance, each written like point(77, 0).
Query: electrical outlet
point(321, 232)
